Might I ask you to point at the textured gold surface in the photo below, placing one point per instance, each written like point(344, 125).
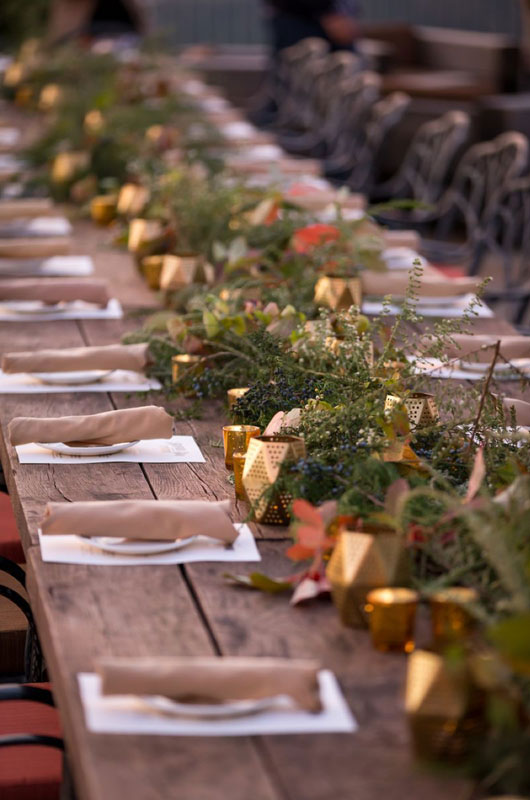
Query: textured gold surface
point(265, 456)
point(421, 408)
point(339, 294)
point(181, 271)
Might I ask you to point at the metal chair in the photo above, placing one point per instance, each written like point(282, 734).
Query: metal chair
point(423, 173)
point(34, 667)
point(473, 200)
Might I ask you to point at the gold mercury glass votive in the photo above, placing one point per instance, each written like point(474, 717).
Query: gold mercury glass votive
point(103, 209)
point(183, 364)
point(238, 460)
point(236, 439)
point(391, 614)
point(234, 395)
point(450, 617)
point(152, 269)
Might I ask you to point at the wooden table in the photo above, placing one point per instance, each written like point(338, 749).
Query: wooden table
point(84, 612)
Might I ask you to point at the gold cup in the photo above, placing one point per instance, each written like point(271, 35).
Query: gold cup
point(185, 364)
point(450, 617)
point(152, 269)
point(234, 395)
point(103, 209)
point(236, 439)
point(238, 460)
point(391, 614)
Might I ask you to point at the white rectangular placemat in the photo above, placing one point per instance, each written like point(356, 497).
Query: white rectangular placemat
point(76, 550)
point(177, 450)
point(40, 226)
point(121, 714)
point(444, 311)
point(56, 266)
point(77, 310)
point(119, 380)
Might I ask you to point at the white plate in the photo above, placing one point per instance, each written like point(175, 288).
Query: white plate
point(234, 708)
point(522, 364)
point(67, 378)
point(87, 450)
point(32, 306)
point(132, 547)
point(450, 301)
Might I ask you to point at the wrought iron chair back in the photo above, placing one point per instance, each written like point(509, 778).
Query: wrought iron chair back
point(34, 667)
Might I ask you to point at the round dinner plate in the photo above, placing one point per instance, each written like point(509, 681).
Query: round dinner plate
point(234, 708)
point(86, 450)
point(135, 547)
point(522, 364)
point(32, 306)
point(67, 378)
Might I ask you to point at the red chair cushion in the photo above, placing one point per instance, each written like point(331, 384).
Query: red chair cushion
point(30, 772)
point(451, 270)
point(10, 544)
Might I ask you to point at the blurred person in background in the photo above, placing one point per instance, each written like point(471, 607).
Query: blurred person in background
point(293, 20)
point(92, 18)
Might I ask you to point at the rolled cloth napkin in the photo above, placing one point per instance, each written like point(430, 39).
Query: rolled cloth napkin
point(44, 247)
point(511, 346)
point(150, 520)
point(396, 284)
point(55, 290)
point(522, 410)
point(212, 679)
point(110, 427)
point(113, 356)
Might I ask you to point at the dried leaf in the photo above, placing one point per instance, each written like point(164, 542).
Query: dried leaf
point(306, 512)
point(275, 425)
point(477, 475)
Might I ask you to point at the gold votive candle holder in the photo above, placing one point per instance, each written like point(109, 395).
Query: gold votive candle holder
point(236, 439)
point(234, 395)
point(450, 615)
point(238, 461)
point(103, 209)
point(152, 269)
point(185, 364)
point(391, 615)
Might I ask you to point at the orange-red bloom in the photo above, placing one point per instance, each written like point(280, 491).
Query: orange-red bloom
point(306, 239)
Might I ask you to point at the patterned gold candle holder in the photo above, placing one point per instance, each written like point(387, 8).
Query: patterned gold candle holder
point(391, 616)
point(50, 97)
point(450, 614)
point(238, 460)
point(337, 293)
point(103, 209)
point(444, 712)
point(94, 121)
point(67, 165)
point(361, 562)
point(181, 271)
point(151, 267)
point(421, 408)
point(24, 96)
point(143, 233)
point(265, 457)
point(132, 199)
point(234, 395)
point(236, 439)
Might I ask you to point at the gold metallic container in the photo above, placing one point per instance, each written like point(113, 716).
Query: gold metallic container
point(337, 293)
point(151, 269)
point(132, 199)
point(421, 408)
point(103, 209)
point(450, 614)
point(361, 562)
point(143, 233)
point(181, 271)
point(265, 457)
point(234, 395)
point(50, 97)
point(236, 439)
point(67, 165)
point(184, 368)
point(238, 460)
point(391, 616)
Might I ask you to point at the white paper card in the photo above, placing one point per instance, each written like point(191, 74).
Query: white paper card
point(9, 136)
point(445, 310)
point(76, 550)
point(77, 310)
point(56, 266)
point(177, 450)
point(119, 380)
point(122, 714)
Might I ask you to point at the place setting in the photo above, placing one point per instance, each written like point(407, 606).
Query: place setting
point(45, 299)
point(469, 357)
point(138, 435)
point(212, 696)
point(35, 227)
point(69, 266)
point(139, 532)
point(109, 368)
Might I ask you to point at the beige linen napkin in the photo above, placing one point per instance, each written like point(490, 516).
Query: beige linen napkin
point(55, 290)
point(149, 520)
point(113, 356)
point(394, 283)
point(512, 346)
point(26, 207)
point(522, 410)
point(110, 427)
point(211, 679)
point(35, 248)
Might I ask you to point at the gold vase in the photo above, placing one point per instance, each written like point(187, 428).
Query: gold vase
point(67, 165)
point(103, 209)
point(450, 615)
point(361, 562)
point(143, 233)
point(391, 615)
point(181, 271)
point(151, 270)
point(132, 199)
point(337, 293)
point(421, 408)
point(236, 439)
point(265, 456)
